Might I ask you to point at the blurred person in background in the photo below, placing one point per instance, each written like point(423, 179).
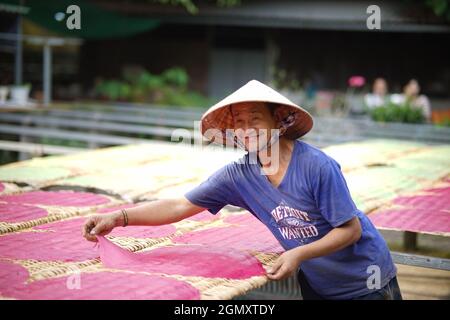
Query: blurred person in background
point(379, 96)
point(411, 95)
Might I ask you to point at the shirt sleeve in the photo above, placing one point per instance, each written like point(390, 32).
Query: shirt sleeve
point(215, 192)
point(332, 195)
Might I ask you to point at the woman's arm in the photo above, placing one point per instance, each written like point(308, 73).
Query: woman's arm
point(154, 213)
point(160, 212)
point(337, 239)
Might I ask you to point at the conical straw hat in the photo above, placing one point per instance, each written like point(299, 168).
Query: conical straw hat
point(219, 116)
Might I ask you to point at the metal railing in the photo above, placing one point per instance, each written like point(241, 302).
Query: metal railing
point(123, 123)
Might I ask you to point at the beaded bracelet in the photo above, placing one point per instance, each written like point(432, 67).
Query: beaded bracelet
point(125, 217)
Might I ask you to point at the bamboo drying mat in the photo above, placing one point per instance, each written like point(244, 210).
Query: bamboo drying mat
point(49, 233)
point(424, 211)
point(54, 252)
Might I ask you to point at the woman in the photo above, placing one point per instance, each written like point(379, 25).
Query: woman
point(296, 190)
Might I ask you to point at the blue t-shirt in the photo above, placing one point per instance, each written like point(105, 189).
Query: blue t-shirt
point(312, 199)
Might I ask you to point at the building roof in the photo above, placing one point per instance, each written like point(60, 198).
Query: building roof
point(397, 16)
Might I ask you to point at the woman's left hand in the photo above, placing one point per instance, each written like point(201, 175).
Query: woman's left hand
point(285, 265)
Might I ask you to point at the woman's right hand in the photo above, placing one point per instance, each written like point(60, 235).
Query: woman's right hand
point(100, 225)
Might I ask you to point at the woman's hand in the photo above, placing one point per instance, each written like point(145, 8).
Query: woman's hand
point(100, 225)
point(285, 265)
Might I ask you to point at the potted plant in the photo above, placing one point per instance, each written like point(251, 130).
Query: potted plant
point(354, 99)
point(392, 112)
point(20, 93)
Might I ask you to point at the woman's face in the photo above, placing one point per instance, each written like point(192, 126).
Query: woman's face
point(412, 89)
point(380, 87)
point(253, 122)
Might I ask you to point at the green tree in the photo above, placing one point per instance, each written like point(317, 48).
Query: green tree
point(192, 8)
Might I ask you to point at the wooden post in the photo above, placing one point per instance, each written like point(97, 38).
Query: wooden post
point(47, 69)
point(410, 241)
point(18, 59)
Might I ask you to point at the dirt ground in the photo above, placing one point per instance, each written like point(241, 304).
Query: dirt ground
point(422, 283)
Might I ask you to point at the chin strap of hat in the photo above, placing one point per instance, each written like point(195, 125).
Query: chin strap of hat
point(287, 122)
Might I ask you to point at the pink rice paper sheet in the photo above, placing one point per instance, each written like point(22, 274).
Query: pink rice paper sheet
point(57, 198)
point(104, 285)
point(12, 277)
point(32, 205)
point(247, 233)
point(17, 212)
point(427, 212)
point(21, 211)
point(63, 241)
point(201, 261)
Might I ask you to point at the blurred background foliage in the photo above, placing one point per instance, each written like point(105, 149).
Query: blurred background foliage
point(138, 85)
point(397, 113)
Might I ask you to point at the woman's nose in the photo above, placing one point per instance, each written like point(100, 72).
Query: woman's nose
point(246, 126)
point(242, 125)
